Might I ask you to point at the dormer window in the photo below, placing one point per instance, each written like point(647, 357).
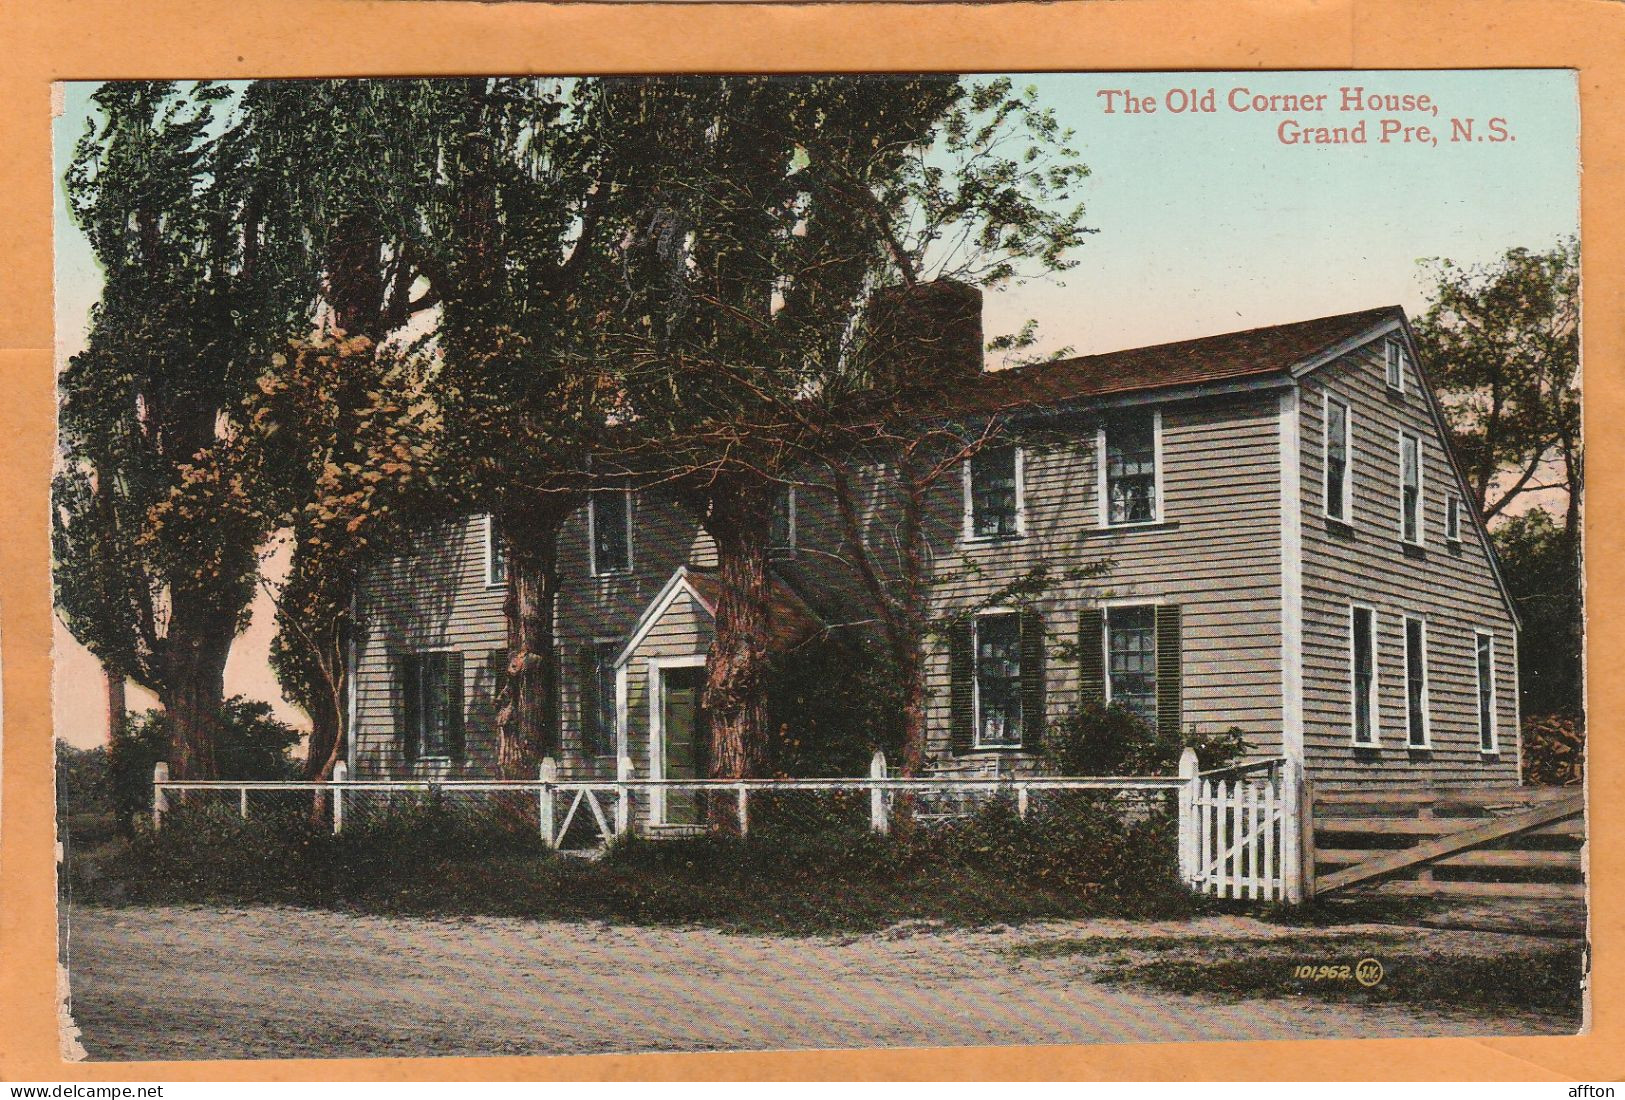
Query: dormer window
point(993, 493)
point(1130, 445)
point(1394, 355)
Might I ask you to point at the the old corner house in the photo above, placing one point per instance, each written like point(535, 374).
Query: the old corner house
point(1293, 552)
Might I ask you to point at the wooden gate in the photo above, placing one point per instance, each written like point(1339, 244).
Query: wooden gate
point(1240, 834)
point(1473, 842)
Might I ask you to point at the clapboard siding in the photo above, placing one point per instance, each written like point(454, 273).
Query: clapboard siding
point(1450, 586)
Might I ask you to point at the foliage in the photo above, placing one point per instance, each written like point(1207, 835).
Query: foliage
point(1554, 750)
point(253, 744)
point(1503, 342)
point(1102, 739)
point(83, 783)
point(819, 728)
point(1540, 562)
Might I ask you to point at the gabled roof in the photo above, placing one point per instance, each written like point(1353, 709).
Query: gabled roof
point(791, 621)
point(1229, 357)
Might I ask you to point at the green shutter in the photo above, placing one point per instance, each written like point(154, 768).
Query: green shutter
point(454, 705)
point(1092, 655)
point(1170, 694)
point(961, 676)
point(407, 718)
point(1033, 716)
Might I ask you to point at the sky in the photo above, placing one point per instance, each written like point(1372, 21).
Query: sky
point(1214, 210)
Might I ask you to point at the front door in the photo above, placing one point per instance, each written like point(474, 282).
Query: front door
point(685, 741)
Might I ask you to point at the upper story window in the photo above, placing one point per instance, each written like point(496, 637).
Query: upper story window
point(1338, 461)
point(781, 520)
point(1394, 359)
point(998, 681)
point(609, 530)
point(1410, 488)
point(496, 555)
point(993, 493)
point(1452, 518)
point(1131, 659)
point(1130, 445)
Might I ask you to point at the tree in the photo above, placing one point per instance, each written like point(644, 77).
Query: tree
point(1541, 567)
point(1504, 343)
point(154, 566)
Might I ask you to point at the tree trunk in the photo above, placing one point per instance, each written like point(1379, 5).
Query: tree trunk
point(116, 708)
point(528, 721)
point(193, 690)
point(738, 667)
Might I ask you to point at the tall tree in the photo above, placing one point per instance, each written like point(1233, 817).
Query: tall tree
point(155, 567)
point(1503, 341)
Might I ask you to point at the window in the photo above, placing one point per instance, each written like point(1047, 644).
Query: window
point(1485, 645)
point(598, 719)
point(1129, 445)
point(1337, 460)
point(609, 528)
point(496, 555)
point(993, 493)
point(1363, 673)
point(1416, 683)
point(431, 686)
point(781, 520)
point(1131, 659)
point(1410, 488)
point(998, 681)
point(1452, 519)
point(1394, 355)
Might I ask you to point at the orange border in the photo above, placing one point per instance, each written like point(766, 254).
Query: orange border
point(50, 40)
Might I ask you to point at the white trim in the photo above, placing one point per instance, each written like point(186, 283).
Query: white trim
point(1395, 346)
point(352, 705)
point(679, 583)
point(1452, 518)
point(1421, 490)
point(657, 741)
point(1517, 703)
point(1374, 693)
point(976, 680)
point(491, 580)
point(1495, 697)
point(1103, 505)
point(622, 734)
point(1106, 607)
point(1291, 457)
point(967, 531)
point(1346, 504)
point(592, 539)
point(1337, 351)
point(1427, 722)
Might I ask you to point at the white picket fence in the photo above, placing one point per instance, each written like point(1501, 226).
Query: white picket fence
point(1239, 828)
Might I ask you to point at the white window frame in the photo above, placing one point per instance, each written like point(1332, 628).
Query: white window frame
point(654, 668)
point(1375, 693)
point(1104, 505)
point(418, 651)
point(1347, 503)
point(976, 679)
point(592, 535)
point(1421, 489)
point(1128, 603)
point(1494, 748)
point(1452, 518)
point(1393, 363)
point(612, 646)
point(789, 545)
point(491, 579)
point(968, 528)
point(1427, 686)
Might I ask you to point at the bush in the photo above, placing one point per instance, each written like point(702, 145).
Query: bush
point(1102, 739)
point(818, 728)
point(83, 782)
point(252, 744)
point(1553, 750)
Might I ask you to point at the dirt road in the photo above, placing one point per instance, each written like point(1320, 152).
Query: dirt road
point(172, 983)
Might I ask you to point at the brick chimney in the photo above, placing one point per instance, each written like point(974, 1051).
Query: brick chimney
point(925, 337)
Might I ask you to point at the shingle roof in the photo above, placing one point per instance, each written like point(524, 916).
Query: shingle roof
point(790, 620)
point(1226, 357)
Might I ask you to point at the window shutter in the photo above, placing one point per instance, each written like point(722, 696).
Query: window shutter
point(1033, 718)
point(1092, 655)
point(961, 676)
point(406, 705)
point(1170, 694)
point(454, 705)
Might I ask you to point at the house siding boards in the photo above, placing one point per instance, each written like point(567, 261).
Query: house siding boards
point(1451, 587)
point(1216, 555)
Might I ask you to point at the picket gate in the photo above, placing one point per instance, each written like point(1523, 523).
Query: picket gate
point(1241, 831)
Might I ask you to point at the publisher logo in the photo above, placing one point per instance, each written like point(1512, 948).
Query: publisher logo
point(1368, 972)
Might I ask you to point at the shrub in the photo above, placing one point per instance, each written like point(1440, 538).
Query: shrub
point(83, 785)
point(1102, 739)
point(1553, 750)
point(818, 728)
point(252, 744)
